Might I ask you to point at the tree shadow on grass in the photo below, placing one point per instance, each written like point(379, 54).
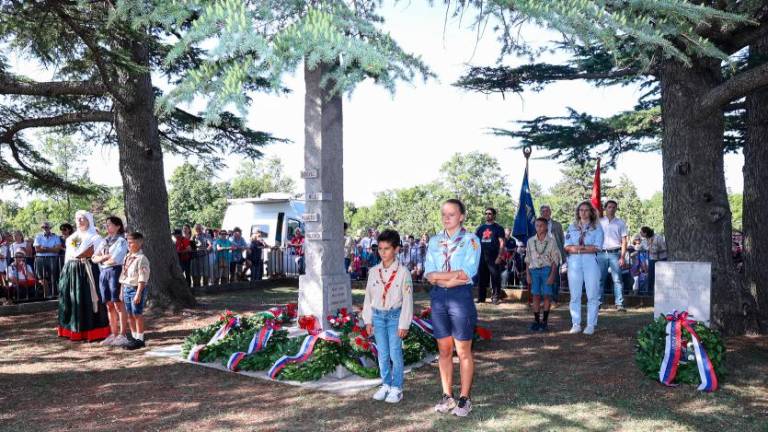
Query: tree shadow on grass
point(524, 380)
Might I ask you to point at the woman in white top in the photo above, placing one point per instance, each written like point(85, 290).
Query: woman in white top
point(81, 315)
point(110, 257)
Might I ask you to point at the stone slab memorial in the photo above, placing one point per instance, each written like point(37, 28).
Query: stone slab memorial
point(325, 287)
point(683, 285)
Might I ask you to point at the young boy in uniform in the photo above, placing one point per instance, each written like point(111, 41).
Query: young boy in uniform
point(133, 282)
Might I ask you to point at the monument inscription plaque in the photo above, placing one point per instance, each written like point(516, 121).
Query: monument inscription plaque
point(683, 285)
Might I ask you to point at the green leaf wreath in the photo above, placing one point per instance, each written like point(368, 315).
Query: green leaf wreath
point(355, 352)
point(651, 341)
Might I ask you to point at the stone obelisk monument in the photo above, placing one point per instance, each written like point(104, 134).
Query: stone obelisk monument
point(325, 287)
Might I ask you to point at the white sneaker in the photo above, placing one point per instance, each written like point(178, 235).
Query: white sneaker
point(395, 395)
point(108, 341)
point(589, 330)
point(381, 394)
point(120, 341)
point(575, 329)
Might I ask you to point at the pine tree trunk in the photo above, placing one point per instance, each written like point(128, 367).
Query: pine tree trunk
point(697, 217)
point(756, 193)
point(146, 197)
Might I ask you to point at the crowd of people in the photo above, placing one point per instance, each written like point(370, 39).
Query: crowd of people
point(216, 256)
point(456, 260)
point(628, 261)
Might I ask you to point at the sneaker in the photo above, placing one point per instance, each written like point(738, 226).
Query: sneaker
point(589, 330)
point(395, 395)
point(535, 326)
point(575, 329)
point(620, 308)
point(446, 404)
point(463, 408)
point(120, 341)
point(381, 393)
point(135, 344)
point(108, 341)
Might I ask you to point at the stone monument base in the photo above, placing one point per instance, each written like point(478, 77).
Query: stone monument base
point(324, 296)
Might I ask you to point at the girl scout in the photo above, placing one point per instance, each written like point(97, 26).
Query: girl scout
point(451, 262)
point(582, 241)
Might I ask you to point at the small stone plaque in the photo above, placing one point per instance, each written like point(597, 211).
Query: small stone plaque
point(319, 196)
point(311, 217)
point(337, 295)
point(683, 286)
point(314, 236)
point(309, 174)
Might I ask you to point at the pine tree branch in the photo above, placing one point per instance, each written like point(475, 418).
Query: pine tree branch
point(12, 86)
point(107, 77)
point(59, 120)
point(501, 79)
point(737, 87)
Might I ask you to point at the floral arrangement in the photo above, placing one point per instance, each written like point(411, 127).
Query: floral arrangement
point(356, 350)
point(651, 346)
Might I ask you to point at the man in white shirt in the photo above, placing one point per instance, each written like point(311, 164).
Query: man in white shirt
point(47, 268)
point(612, 253)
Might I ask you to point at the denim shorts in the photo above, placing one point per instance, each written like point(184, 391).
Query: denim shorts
point(539, 284)
point(109, 284)
point(129, 293)
point(453, 312)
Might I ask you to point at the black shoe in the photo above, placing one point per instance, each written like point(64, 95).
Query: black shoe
point(480, 301)
point(135, 344)
point(535, 327)
point(543, 327)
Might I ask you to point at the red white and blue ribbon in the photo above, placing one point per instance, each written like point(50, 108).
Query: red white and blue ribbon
point(258, 343)
point(424, 324)
point(305, 352)
point(221, 333)
point(673, 351)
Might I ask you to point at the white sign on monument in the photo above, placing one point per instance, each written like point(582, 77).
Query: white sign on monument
point(683, 286)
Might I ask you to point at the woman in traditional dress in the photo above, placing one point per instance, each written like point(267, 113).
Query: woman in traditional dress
point(82, 316)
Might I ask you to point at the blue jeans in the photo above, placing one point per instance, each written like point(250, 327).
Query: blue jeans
point(389, 345)
point(611, 260)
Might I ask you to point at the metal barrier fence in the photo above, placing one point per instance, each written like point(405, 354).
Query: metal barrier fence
point(210, 267)
point(38, 281)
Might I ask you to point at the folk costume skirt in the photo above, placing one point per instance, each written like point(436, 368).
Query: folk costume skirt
point(82, 316)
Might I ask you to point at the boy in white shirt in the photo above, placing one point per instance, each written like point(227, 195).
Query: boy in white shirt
point(387, 312)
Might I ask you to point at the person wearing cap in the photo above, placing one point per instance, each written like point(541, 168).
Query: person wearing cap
point(82, 315)
point(47, 247)
point(20, 274)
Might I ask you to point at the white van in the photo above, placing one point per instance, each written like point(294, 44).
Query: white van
point(275, 214)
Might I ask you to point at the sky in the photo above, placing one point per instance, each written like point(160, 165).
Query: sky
point(401, 140)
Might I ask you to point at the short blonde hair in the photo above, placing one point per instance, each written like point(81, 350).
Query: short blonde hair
point(592, 214)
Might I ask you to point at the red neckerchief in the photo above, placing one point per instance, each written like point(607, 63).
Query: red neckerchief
point(449, 248)
point(388, 283)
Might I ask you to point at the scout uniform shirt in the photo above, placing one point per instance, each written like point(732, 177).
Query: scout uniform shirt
point(453, 253)
point(541, 254)
point(389, 288)
point(135, 269)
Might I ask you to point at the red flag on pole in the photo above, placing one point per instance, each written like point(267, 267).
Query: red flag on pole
point(596, 201)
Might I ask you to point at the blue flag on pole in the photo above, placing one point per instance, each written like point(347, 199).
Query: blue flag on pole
point(526, 215)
